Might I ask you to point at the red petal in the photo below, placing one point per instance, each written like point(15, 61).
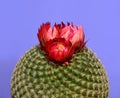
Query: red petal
point(59, 56)
point(41, 33)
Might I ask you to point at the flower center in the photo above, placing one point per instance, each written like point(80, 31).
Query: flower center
point(60, 47)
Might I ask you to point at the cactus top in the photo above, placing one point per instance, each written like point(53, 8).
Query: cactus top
point(61, 41)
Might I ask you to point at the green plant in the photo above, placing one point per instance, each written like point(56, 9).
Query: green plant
point(83, 76)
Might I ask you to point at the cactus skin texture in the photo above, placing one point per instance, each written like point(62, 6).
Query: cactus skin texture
point(35, 77)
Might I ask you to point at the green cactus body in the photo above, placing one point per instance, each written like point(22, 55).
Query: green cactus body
point(36, 77)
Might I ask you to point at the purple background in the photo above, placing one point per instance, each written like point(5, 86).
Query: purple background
point(20, 19)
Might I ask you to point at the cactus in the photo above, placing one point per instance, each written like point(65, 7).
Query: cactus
point(37, 77)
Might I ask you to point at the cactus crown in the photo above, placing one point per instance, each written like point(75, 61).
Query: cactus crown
point(36, 77)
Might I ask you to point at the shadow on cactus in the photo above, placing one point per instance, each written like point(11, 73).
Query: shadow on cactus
point(62, 66)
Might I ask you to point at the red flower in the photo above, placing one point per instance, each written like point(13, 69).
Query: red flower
point(61, 41)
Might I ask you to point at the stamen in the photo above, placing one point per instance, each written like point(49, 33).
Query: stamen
point(60, 47)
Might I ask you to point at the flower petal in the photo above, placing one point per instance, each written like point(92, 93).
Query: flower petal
point(46, 33)
point(78, 37)
point(59, 50)
point(43, 33)
point(67, 33)
point(74, 34)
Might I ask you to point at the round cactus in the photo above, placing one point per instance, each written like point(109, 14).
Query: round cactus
point(36, 76)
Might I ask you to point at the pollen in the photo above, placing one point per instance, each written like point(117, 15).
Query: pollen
point(60, 47)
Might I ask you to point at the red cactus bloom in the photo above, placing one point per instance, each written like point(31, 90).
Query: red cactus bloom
point(61, 41)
